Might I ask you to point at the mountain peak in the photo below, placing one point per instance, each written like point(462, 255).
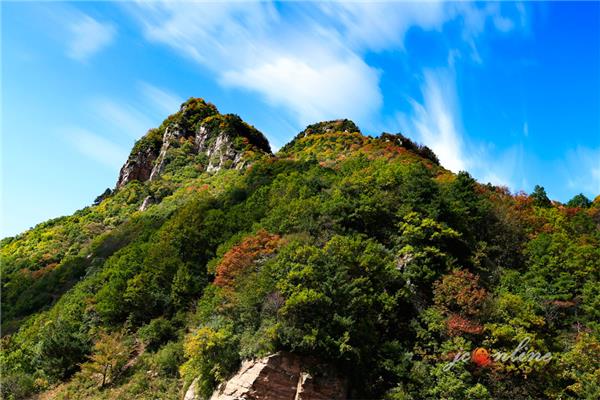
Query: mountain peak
point(197, 135)
point(198, 138)
point(337, 125)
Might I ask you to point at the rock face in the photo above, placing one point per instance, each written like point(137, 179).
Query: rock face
point(225, 141)
point(281, 376)
point(137, 167)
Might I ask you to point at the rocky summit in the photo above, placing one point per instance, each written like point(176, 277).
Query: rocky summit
point(198, 134)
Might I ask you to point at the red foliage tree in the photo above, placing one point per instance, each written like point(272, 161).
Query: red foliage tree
point(457, 325)
point(460, 297)
point(459, 292)
point(240, 257)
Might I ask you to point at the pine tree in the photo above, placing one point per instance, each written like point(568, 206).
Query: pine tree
point(540, 198)
point(579, 201)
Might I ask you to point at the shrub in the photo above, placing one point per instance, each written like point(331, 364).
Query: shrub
point(16, 386)
point(155, 333)
point(211, 356)
point(243, 255)
point(168, 359)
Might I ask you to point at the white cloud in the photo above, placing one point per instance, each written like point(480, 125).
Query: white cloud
point(434, 121)
point(437, 123)
point(505, 168)
point(336, 89)
point(88, 36)
point(381, 26)
point(475, 20)
point(303, 67)
point(135, 118)
point(309, 60)
point(96, 147)
point(120, 123)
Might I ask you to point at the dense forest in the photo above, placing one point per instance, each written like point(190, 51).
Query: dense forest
point(360, 251)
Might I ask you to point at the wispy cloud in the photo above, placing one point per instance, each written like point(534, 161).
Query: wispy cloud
point(382, 26)
point(315, 68)
point(475, 21)
point(303, 68)
point(126, 118)
point(120, 123)
point(435, 120)
point(581, 170)
point(88, 36)
point(502, 168)
point(96, 147)
point(164, 101)
point(339, 88)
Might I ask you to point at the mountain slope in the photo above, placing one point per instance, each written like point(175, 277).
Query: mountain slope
point(359, 252)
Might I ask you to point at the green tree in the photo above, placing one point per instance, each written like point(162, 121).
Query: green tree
point(110, 354)
point(61, 347)
point(344, 302)
point(103, 196)
point(540, 198)
point(427, 250)
point(579, 201)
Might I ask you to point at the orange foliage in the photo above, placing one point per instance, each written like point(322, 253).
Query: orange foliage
point(194, 188)
point(570, 212)
point(459, 292)
point(240, 257)
point(43, 271)
point(522, 200)
point(459, 296)
point(458, 325)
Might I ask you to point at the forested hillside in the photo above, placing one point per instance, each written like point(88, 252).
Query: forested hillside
point(361, 252)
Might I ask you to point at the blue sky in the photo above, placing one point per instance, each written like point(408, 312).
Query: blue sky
point(507, 91)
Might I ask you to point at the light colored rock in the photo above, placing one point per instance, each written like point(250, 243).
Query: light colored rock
point(217, 142)
point(171, 133)
point(191, 393)
point(281, 376)
point(148, 201)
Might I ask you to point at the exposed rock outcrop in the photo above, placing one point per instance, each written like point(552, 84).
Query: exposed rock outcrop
point(281, 376)
point(225, 141)
point(147, 202)
point(137, 167)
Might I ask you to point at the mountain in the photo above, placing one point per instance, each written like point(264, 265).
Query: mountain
point(343, 266)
